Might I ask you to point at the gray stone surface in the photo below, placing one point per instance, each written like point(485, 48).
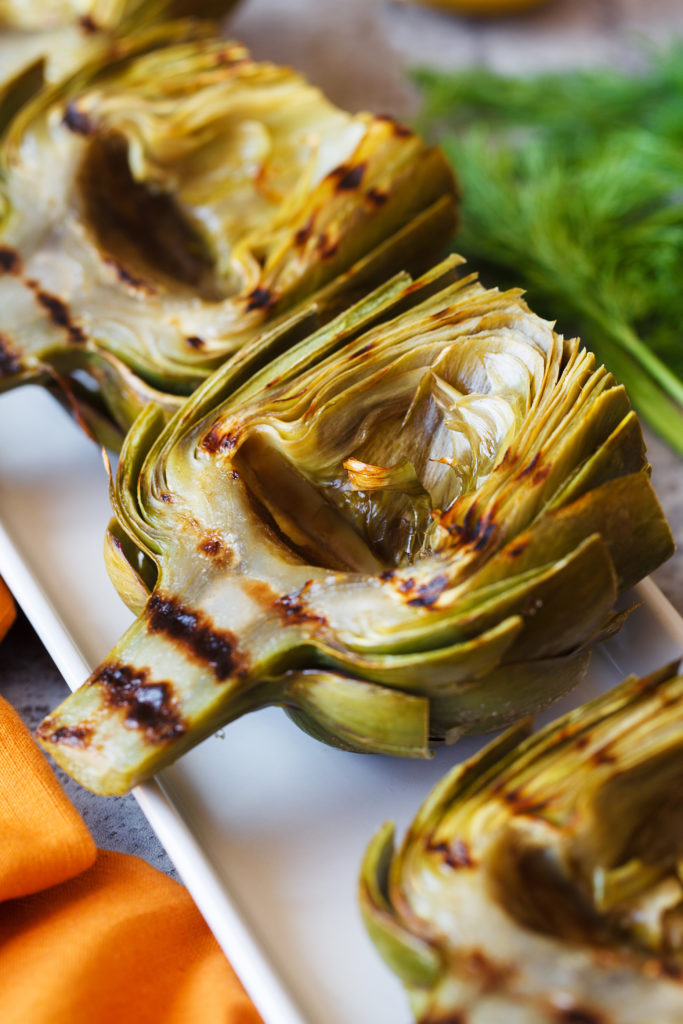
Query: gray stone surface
point(357, 51)
point(32, 685)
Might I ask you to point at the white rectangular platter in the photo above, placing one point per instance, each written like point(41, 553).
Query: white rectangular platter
point(266, 826)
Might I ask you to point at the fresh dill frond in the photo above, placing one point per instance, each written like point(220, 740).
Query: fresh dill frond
point(573, 187)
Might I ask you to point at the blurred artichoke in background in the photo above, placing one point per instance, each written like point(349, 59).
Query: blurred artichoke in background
point(42, 42)
point(409, 526)
point(483, 8)
point(158, 209)
point(540, 882)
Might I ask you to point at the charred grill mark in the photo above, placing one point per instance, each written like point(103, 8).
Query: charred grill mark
point(455, 854)
point(484, 534)
point(78, 121)
point(294, 611)
point(10, 363)
point(59, 313)
point(376, 197)
point(215, 549)
point(522, 804)
point(530, 468)
point(401, 130)
point(442, 314)
point(304, 233)
point(126, 277)
point(348, 178)
point(65, 735)
point(211, 546)
point(364, 350)
point(518, 549)
point(325, 247)
point(387, 575)
point(216, 648)
point(429, 593)
point(477, 532)
point(166, 498)
point(88, 25)
point(217, 441)
point(469, 523)
point(149, 705)
point(194, 341)
point(571, 733)
point(509, 458)
point(260, 298)
point(579, 1015)
point(406, 586)
point(603, 756)
point(291, 397)
point(541, 473)
point(10, 260)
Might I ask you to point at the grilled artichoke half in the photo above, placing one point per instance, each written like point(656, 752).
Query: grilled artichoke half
point(407, 527)
point(540, 883)
point(156, 212)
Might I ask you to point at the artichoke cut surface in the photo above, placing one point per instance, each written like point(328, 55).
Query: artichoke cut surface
point(541, 880)
point(409, 526)
point(163, 204)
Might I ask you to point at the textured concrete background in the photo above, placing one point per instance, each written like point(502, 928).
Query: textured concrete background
point(357, 51)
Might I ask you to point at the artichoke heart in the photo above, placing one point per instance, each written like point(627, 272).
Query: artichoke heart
point(193, 197)
point(410, 525)
point(541, 880)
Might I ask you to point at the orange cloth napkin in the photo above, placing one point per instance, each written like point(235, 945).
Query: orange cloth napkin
point(8, 612)
point(88, 936)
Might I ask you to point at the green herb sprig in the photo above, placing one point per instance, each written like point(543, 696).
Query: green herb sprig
point(573, 188)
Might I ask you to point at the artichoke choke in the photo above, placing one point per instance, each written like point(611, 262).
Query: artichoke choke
point(541, 881)
point(409, 526)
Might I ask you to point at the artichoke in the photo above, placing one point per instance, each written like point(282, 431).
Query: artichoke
point(42, 42)
point(540, 882)
point(46, 15)
point(62, 35)
point(193, 196)
point(406, 527)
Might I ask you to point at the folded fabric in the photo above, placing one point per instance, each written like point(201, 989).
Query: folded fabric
point(8, 612)
point(88, 936)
